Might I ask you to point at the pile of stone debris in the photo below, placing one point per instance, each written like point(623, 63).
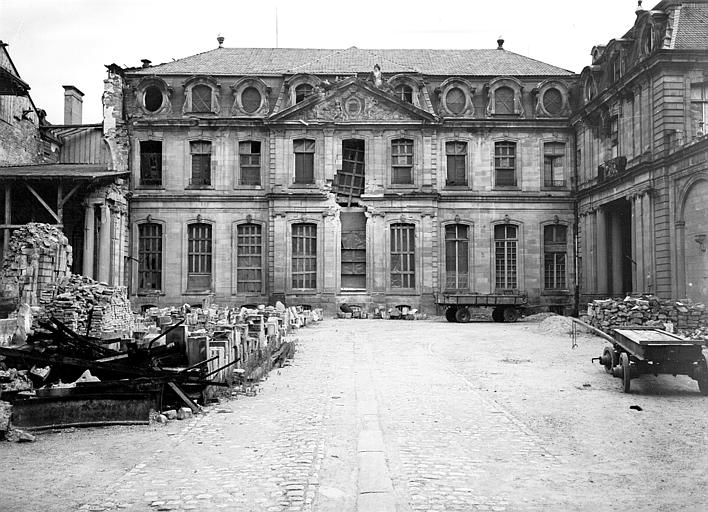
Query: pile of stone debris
point(38, 255)
point(685, 318)
point(88, 307)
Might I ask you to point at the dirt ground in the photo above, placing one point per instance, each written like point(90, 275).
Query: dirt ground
point(647, 450)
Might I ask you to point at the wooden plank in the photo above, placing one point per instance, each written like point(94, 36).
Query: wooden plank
point(181, 394)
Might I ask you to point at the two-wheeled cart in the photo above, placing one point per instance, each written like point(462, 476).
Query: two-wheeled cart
point(639, 350)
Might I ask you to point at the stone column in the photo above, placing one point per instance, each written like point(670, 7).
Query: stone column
point(648, 246)
point(680, 259)
point(104, 245)
point(89, 234)
point(584, 253)
point(637, 266)
point(617, 254)
point(601, 252)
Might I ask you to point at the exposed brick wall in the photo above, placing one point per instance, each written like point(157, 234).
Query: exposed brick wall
point(20, 139)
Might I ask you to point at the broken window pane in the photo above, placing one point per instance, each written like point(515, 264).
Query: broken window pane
point(149, 257)
point(201, 98)
point(250, 162)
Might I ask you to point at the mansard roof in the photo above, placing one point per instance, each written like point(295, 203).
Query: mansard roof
point(279, 61)
point(692, 27)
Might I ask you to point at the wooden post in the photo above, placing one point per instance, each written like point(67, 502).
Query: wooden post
point(8, 219)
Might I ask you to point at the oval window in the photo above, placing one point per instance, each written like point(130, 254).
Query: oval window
point(153, 98)
point(455, 100)
point(553, 101)
point(251, 99)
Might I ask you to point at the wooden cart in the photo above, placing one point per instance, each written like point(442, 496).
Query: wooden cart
point(507, 308)
point(639, 350)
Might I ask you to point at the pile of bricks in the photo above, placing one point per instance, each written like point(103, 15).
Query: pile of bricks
point(88, 307)
point(38, 255)
point(650, 311)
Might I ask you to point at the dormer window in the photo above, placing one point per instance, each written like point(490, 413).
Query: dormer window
point(455, 100)
point(456, 97)
point(153, 99)
point(302, 92)
point(553, 101)
point(152, 94)
point(201, 98)
point(404, 93)
point(504, 101)
point(505, 97)
point(251, 99)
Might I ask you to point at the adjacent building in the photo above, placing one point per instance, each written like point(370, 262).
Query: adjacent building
point(372, 177)
point(642, 153)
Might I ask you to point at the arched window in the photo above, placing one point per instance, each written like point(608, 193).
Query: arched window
point(199, 257)
point(504, 101)
point(249, 258)
point(404, 93)
point(402, 256)
point(149, 257)
point(505, 256)
point(201, 98)
point(302, 91)
point(456, 257)
point(304, 256)
point(553, 101)
point(554, 256)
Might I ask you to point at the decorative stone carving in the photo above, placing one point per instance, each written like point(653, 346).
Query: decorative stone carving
point(353, 107)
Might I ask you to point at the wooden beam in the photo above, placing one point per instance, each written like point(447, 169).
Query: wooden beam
point(42, 202)
point(18, 226)
point(178, 391)
point(8, 219)
point(71, 193)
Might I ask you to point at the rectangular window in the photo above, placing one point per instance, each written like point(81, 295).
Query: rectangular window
point(456, 163)
point(353, 250)
point(554, 164)
point(403, 256)
point(456, 257)
point(250, 162)
point(348, 183)
point(199, 257)
point(151, 162)
point(201, 163)
point(149, 257)
point(505, 164)
point(554, 257)
point(304, 161)
point(505, 251)
point(614, 136)
point(304, 257)
point(249, 262)
point(402, 162)
point(699, 108)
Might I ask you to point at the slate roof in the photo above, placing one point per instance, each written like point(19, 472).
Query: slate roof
point(692, 27)
point(278, 61)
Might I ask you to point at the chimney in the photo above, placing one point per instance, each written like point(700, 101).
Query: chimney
point(73, 104)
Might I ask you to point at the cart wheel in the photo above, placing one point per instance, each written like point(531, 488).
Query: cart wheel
point(497, 315)
point(510, 314)
point(450, 314)
point(626, 372)
point(609, 359)
point(703, 376)
point(463, 315)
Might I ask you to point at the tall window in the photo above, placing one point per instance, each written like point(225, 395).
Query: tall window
point(699, 108)
point(554, 164)
point(353, 255)
point(404, 92)
point(249, 262)
point(554, 257)
point(504, 100)
point(304, 256)
point(455, 100)
point(149, 257)
point(505, 163)
point(304, 160)
point(302, 91)
point(505, 251)
point(199, 257)
point(201, 162)
point(456, 257)
point(201, 98)
point(402, 256)
point(250, 162)
point(456, 163)
point(150, 162)
point(402, 162)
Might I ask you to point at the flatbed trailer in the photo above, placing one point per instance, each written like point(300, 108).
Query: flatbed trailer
point(639, 350)
point(506, 307)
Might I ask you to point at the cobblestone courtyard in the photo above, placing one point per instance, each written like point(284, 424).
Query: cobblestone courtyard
point(379, 415)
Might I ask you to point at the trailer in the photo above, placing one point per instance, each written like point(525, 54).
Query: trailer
point(646, 350)
point(506, 307)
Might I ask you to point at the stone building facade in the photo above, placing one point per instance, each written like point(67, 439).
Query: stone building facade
point(642, 153)
point(372, 177)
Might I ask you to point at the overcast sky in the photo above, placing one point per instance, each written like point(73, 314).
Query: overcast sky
point(68, 42)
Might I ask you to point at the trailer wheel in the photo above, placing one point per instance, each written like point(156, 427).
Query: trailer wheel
point(626, 371)
point(510, 314)
point(450, 314)
point(608, 359)
point(463, 315)
point(497, 315)
point(703, 376)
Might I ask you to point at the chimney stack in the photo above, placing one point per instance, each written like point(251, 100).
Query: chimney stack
point(73, 104)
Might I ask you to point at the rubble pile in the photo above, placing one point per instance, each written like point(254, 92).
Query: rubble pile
point(88, 307)
point(38, 255)
point(648, 310)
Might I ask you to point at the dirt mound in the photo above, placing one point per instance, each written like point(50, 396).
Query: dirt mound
point(556, 324)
